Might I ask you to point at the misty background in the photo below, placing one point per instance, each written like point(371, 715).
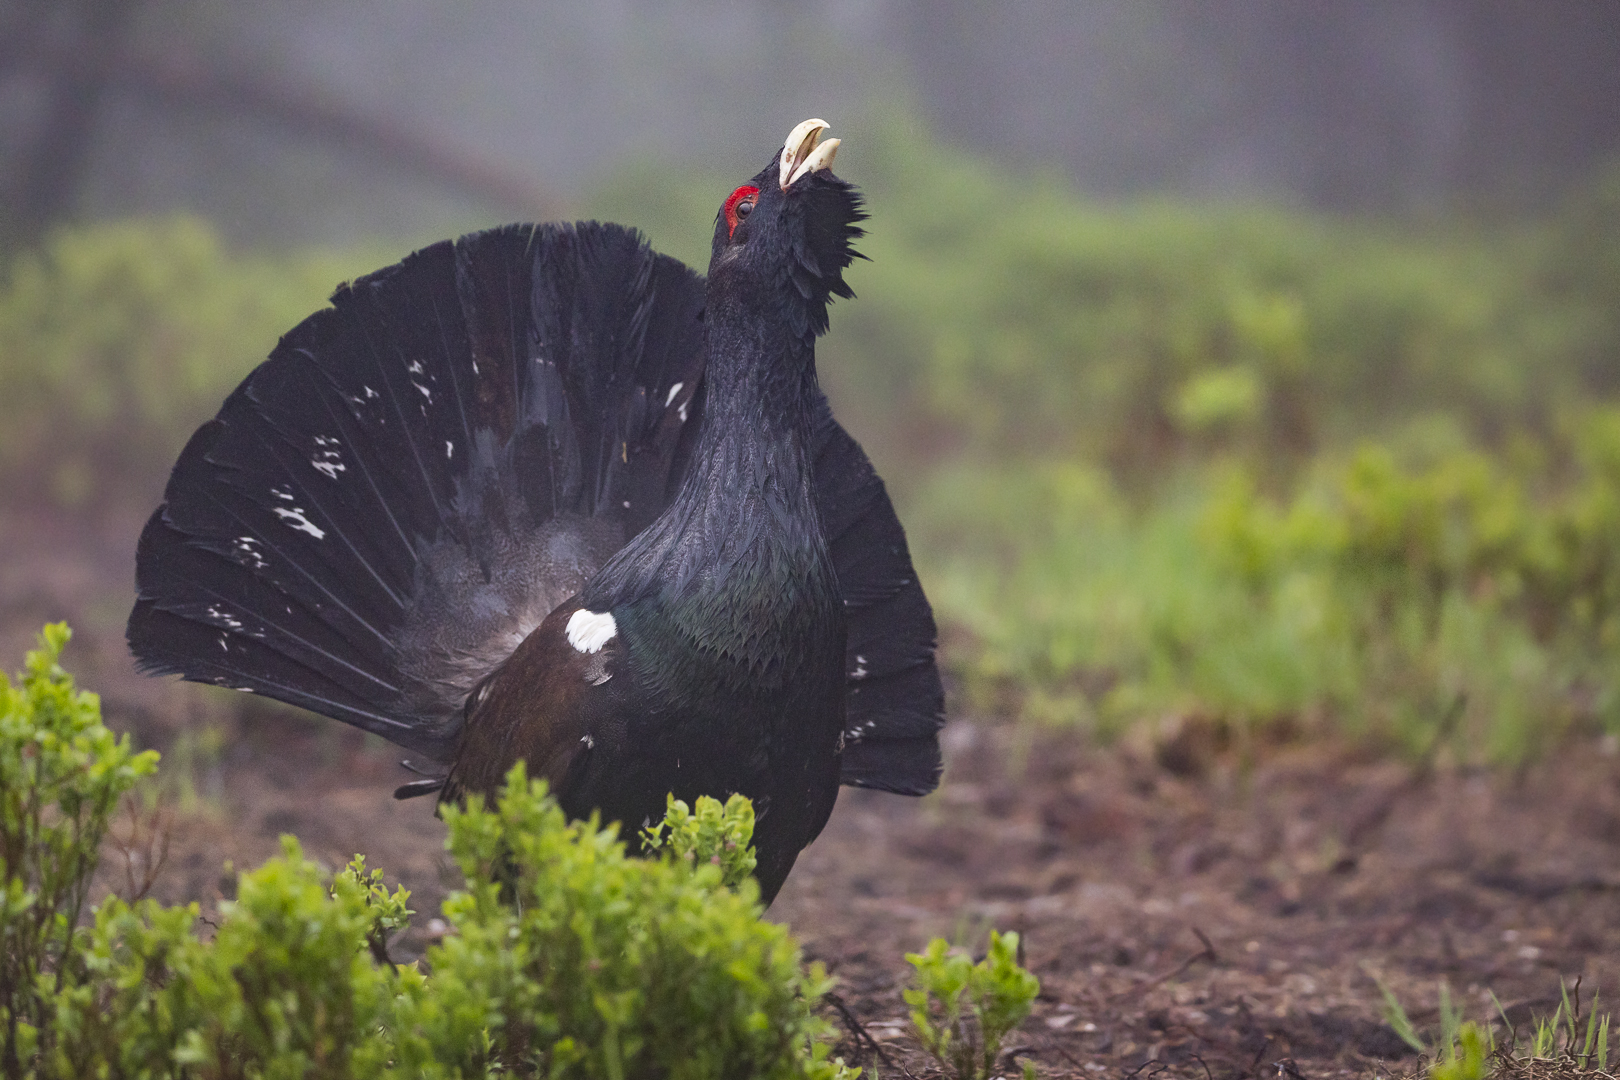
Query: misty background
point(1252, 362)
point(320, 120)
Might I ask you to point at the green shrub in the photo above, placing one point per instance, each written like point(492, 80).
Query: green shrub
point(714, 833)
point(1371, 596)
point(287, 987)
point(565, 956)
point(961, 1011)
point(116, 340)
point(605, 965)
point(62, 774)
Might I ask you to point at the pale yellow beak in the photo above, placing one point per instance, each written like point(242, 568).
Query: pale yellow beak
point(802, 155)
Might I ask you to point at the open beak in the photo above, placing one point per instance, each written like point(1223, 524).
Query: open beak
point(801, 155)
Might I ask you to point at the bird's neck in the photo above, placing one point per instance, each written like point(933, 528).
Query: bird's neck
point(744, 525)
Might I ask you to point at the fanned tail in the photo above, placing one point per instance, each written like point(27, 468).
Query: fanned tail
point(418, 474)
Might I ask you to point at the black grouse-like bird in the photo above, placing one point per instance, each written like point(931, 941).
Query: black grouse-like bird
point(543, 493)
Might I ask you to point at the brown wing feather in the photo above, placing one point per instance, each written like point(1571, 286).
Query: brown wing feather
point(533, 707)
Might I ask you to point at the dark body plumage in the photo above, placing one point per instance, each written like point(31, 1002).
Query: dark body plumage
point(393, 520)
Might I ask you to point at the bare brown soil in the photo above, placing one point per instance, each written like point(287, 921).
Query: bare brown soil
point(1184, 912)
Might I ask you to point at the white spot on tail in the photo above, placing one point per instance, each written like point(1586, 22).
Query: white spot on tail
point(588, 631)
point(295, 518)
point(328, 457)
point(223, 618)
point(449, 449)
point(682, 411)
point(672, 392)
point(247, 553)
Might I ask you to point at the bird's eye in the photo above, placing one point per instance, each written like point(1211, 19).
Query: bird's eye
point(739, 206)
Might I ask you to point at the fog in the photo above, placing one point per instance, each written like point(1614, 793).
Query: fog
point(298, 120)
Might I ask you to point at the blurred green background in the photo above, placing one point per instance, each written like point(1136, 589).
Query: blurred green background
point(1266, 464)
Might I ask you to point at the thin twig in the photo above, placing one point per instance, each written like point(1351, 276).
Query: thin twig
point(1206, 953)
point(147, 843)
point(1010, 1056)
point(1373, 820)
point(858, 1030)
point(1258, 1054)
point(1070, 1058)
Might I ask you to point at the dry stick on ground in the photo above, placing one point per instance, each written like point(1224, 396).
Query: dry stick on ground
point(1009, 1056)
point(1363, 829)
point(1287, 1067)
point(1070, 1058)
point(1254, 1065)
point(858, 1031)
point(1206, 953)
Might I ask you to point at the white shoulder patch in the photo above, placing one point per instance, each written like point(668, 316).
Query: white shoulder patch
point(588, 631)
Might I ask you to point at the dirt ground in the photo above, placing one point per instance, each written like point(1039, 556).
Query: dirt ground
point(1187, 914)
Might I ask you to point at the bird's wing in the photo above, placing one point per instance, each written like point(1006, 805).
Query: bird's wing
point(537, 706)
point(896, 704)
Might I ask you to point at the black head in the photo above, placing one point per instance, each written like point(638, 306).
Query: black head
point(784, 238)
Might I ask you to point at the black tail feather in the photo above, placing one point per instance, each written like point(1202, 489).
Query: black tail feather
point(376, 516)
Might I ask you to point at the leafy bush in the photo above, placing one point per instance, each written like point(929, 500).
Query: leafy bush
point(565, 956)
point(1380, 590)
point(62, 774)
point(117, 340)
point(606, 965)
point(713, 834)
point(962, 1011)
point(287, 987)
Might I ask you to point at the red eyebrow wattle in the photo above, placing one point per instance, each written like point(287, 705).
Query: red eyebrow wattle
point(746, 191)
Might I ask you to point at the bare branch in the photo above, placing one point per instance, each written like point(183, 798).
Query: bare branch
point(175, 80)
